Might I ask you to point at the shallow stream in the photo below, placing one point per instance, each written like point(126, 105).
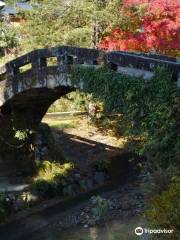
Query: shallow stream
point(116, 230)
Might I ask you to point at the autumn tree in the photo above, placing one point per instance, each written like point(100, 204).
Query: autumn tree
point(146, 26)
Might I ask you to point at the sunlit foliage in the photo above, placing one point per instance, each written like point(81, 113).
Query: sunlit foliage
point(146, 26)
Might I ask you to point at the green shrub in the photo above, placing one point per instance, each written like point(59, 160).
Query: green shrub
point(8, 37)
point(43, 188)
point(102, 164)
point(164, 210)
point(74, 101)
point(158, 181)
point(53, 178)
point(100, 208)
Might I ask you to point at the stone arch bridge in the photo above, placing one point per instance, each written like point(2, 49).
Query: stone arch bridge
point(30, 84)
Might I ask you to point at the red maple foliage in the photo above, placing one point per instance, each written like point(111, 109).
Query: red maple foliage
point(154, 26)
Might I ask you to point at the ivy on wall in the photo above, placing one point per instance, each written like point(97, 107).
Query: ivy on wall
point(151, 109)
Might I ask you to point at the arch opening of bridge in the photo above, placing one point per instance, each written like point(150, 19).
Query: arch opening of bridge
point(30, 83)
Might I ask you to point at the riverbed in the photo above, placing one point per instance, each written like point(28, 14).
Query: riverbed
point(115, 230)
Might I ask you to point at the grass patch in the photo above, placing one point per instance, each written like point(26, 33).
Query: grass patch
point(61, 124)
point(53, 179)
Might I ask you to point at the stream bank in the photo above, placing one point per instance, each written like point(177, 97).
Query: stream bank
point(86, 152)
point(124, 215)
